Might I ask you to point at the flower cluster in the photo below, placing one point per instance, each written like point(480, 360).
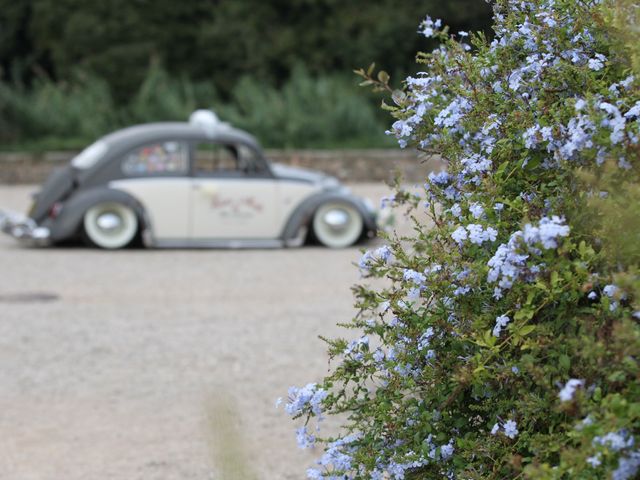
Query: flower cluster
point(309, 397)
point(370, 258)
point(509, 263)
point(621, 443)
point(475, 234)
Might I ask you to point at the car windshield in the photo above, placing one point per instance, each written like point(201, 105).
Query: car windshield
point(90, 155)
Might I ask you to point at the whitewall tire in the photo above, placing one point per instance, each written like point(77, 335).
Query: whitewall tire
point(110, 225)
point(337, 225)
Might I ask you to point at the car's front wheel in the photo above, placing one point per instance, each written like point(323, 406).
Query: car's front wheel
point(110, 225)
point(337, 225)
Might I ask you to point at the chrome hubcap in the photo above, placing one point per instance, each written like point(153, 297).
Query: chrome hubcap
point(109, 222)
point(336, 219)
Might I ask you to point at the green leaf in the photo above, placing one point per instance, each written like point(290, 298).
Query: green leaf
point(526, 330)
point(398, 97)
point(525, 313)
point(371, 69)
point(564, 362)
point(500, 171)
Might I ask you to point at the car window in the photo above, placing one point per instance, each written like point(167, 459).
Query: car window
point(162, 158)
point(211, 159)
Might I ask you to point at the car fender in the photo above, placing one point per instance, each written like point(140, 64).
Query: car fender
point(303, 214)
point(69, 221)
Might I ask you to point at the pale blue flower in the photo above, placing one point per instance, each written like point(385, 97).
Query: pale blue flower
point(633, 112)
point(455, 210)
point(501, 322)
point(425, 339)
point(430, 27)
point(461, 290)
point(459, 235)
point(314, 474)
point(586, 421)
point(356, 345)
point(308, 396)
point(338, 453)
point(626, 83)
point(510, 429)
point(595, 460)
point(440, 178)
point(546, 232)
point(610, 290)
point(597, 63)
point(446, 451)
point(615, 441)
point(378, 355)
point(412, 276)
point(365, 261)
point(384, 253)
point(413, 294)
point(453, 113)
point(304, 438)
point(478, 235)
point(580, 104)
point(387, 201)
point(567, 392)
point(530, 137)
point(476, 210)
point(628, 467)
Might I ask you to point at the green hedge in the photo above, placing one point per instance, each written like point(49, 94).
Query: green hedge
point(306, 112)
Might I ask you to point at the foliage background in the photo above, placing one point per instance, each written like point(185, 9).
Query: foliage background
point(102, 65)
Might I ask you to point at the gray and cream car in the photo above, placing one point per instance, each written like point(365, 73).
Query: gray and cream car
point(200, 183)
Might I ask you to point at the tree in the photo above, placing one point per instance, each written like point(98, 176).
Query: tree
point(209, 40)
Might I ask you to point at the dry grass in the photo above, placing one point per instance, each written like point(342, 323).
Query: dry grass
point(228, 451)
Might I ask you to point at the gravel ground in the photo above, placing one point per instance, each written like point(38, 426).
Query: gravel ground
point(161, 364)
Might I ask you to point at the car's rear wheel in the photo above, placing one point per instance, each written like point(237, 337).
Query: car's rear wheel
point(337, 225)
point(110, 225)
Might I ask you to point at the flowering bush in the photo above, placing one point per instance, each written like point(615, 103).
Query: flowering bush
point(505, 341)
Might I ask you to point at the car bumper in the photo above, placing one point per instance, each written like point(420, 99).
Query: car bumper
point(23, 228)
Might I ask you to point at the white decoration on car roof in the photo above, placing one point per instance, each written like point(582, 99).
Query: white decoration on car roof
point(208, 121)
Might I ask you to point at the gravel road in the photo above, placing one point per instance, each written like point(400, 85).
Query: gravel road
point(161, 364)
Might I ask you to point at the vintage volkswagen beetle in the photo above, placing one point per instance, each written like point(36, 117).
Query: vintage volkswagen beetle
point(200, 183)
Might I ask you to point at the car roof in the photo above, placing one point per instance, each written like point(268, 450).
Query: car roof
point(138, 134)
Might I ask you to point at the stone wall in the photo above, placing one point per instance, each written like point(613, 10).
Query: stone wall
point(347, 165)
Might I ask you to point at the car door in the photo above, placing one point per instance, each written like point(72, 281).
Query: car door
point(233, 196)
point(157, 174)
